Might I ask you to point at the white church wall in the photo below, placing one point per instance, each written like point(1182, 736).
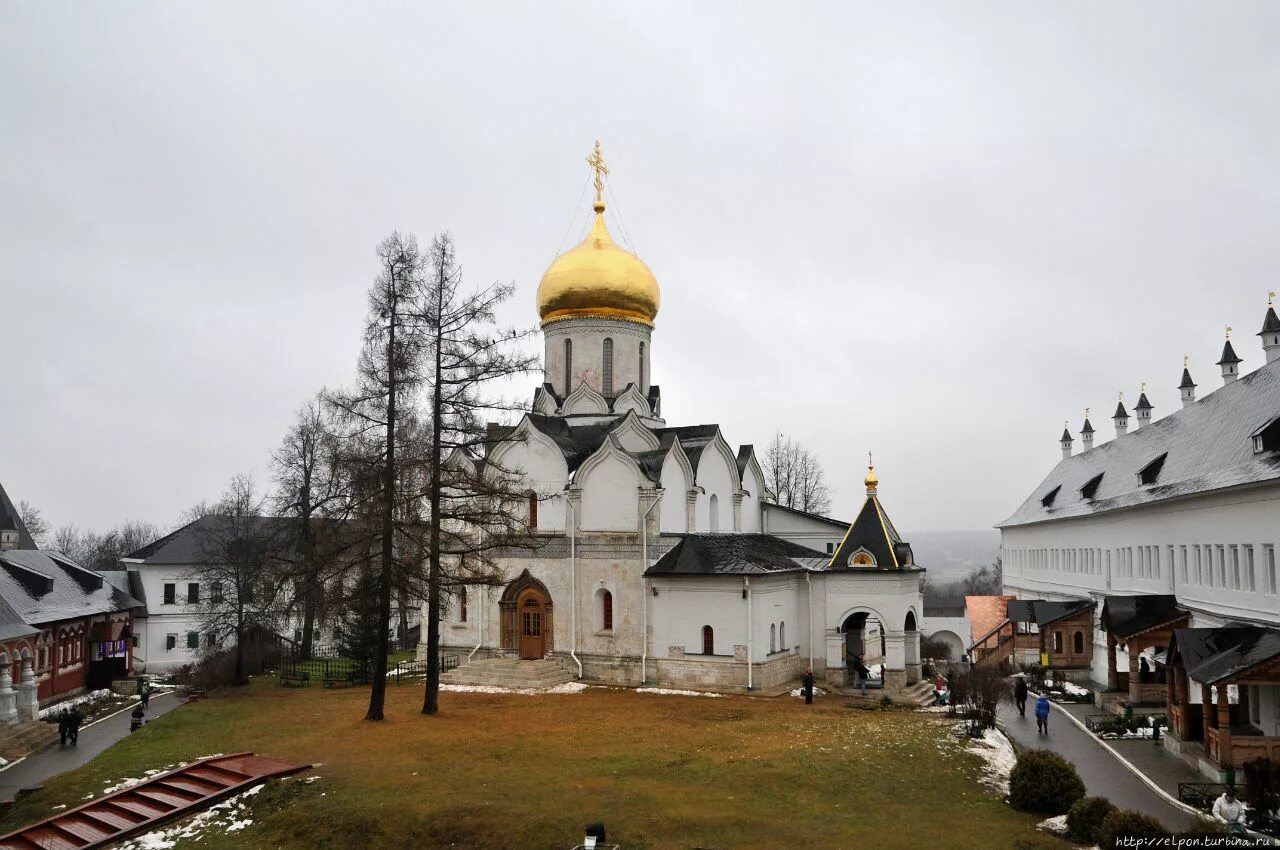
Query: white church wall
point(818, 534)
point(751, 502)
point(675, 486)
point(955, 631)
point(716, 480)
point(1141, 550)
point(542, 465)
point(588, 336)
point(610, 494)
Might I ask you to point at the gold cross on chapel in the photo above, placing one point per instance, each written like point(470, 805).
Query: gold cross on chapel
point(596, 161)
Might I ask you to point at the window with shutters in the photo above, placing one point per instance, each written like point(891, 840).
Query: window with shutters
point(193, 640)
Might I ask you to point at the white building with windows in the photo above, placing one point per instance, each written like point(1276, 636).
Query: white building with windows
point(1185, 507)
point(657, 558)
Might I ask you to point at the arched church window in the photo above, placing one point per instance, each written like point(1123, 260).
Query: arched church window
point(606, 611)
point(1078, 643)
point(462, 604)
point(708, 641)
point(773, 638)
point(606, 371)
point(782, 636)
point(714, 510)
point(640, 374)
point(533, 510)
point(568, 366)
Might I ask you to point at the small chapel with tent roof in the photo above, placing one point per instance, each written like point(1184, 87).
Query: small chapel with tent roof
point(658, 558)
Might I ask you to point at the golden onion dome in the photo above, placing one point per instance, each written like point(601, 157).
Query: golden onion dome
point(871, 480)
point(598, 278)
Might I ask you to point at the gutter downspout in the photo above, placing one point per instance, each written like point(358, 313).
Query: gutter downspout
point(573, 584)
point(479, 625)
point(746, 587)
point(809, 585)
point(644, 590)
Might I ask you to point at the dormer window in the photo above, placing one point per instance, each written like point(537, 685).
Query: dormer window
point(1047, 501)
point(1150, 473)
point(1089, 489)
point(1267, 438)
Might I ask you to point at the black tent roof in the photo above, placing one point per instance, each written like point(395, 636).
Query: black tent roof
point(1126, 616)
point(1186, 379)
point(1228, 355)
point(1043, 613)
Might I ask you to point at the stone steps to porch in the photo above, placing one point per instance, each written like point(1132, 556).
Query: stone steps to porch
point(509, 673)
point(26, 738)
point(920, 694)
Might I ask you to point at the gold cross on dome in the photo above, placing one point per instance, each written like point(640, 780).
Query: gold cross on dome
point(596, 161)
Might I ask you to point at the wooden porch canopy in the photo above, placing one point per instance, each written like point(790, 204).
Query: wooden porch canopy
point(106, 631)
point(1216, 659)
point(1139, 622)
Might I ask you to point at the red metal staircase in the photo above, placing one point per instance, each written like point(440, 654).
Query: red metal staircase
point(142, 807)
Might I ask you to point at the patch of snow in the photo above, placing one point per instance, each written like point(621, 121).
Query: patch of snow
point(997, 753)
point(101, 693)
point(566, 688)
point(1056, 825)
point(59, 806)
point(672, 692)
point(1075, 690)
point(311, 779)
point(228, 816)
point(935, 709)
point(122, 784)
point(799, 692)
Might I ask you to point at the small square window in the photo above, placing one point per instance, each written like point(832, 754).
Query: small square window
point(170, 641)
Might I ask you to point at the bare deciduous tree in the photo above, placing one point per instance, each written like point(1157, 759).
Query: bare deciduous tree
point(985, 581)
point(473, 512)
point(309, 496)
point(793, 477)
point(389, 377)
point(36, 525)
point(103, 550)
point(238, 569)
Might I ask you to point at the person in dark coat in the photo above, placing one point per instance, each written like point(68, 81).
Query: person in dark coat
point(808, 687)
point(1042, 714)
point(1020, 696)
point(136, 723)
point(73, 725)
point(144, 690)
point(863, 672)
point(64, 726)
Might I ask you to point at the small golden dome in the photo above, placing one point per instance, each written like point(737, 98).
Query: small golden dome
point(598, 278)
point(871, 480)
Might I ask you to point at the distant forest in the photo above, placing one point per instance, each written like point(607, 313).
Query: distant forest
point(951, 555)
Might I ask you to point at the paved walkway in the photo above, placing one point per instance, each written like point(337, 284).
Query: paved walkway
point(55, 759)
point(1103, 774)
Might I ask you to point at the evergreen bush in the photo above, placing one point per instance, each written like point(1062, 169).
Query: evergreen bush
point(1124, 823)
point(1045, 783)
point(1084, 820)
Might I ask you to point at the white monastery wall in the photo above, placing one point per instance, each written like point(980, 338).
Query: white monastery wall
point(754, 488)
point(716, 480)
point(610, 494)
point(673, 512)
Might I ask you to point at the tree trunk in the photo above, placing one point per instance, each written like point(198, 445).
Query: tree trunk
point(431, 699)
point(378, 693)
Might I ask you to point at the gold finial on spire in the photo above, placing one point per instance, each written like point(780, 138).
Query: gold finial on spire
point(1271, 298)
point(1122, 395)
point(1144, 387)
point(871, 480)
point(596, 161)
point(1228, 331)
point(1186, 360)
point(1086, 413)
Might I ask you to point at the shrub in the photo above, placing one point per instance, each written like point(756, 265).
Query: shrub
point(1045, 783)
point(1124, 823)
point(934, 648)
point(1261, 789)
point(1204, 827)
point(1084, 820)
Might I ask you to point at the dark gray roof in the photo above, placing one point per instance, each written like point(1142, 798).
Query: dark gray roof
point(1186, 379)
point(734, 554)
point(693, 439)
point(744, 459)
point(873, 531)
point(10, 519)
point(1208, 445)
point(187, 545)
point(1126, 616)
point(1088, 427)
point(1120, 413)
point(1211, 655)
point(1142, 404)
point(1066, 436)
point(576, 442)
point(1271, 323)
point(46, 587)
point(1043, 613)
point(1228, 355)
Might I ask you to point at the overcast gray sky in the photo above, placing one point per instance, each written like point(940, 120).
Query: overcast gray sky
point(932, 231)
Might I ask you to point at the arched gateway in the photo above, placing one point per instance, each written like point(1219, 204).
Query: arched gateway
point(527, 626)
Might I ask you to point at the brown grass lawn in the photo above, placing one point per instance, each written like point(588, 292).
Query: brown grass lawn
point(499, 771)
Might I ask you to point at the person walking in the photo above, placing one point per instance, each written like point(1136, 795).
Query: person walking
point(860, 667)
point(144, 691)
point(73, 725)
point(1020, 696)
point(1231, 811)
point(64, 727)
point(1042, 714)
point(808, 687)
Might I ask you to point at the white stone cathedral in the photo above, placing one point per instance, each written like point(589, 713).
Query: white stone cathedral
point(656, 562)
